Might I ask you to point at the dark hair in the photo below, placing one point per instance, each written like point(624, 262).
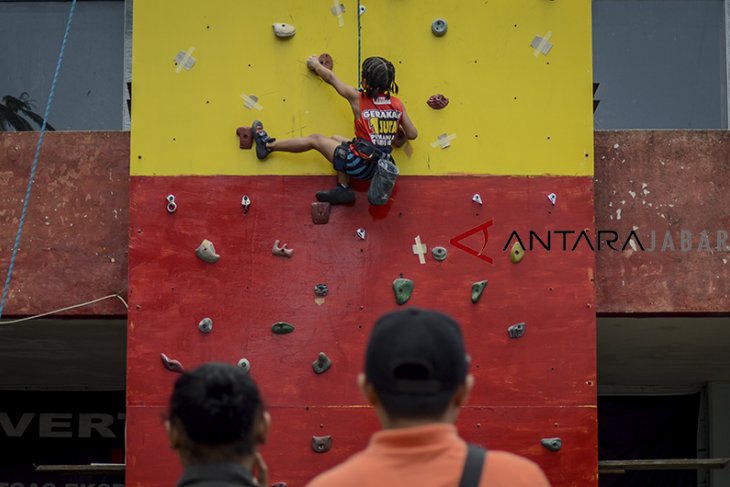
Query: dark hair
point(379, 75)
point(217, 405)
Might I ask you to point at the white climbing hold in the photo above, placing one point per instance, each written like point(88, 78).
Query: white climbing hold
point(284, 31)
point(206, 252)
point(171, 205)
point(281, 250)
point(476, 198)
point(245, 203)
point(360, 232)
point(553, 198)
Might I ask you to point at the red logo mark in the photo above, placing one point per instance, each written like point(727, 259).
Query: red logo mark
point(484, 228)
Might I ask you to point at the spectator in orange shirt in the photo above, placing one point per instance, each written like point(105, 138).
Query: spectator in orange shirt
point(416, 378)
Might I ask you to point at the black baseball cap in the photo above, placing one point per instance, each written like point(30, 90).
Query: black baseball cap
point(416, 352)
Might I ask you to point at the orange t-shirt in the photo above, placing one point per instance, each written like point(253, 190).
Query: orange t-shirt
point(426, 456)
point(379, 119)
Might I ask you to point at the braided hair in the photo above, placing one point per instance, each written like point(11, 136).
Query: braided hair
point(379, 76)
point(216, 405)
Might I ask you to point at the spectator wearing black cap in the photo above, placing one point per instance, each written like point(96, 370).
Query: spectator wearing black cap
point(216, 421)
point(416, 377)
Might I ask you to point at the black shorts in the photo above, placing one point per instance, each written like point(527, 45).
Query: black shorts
point(356, 167)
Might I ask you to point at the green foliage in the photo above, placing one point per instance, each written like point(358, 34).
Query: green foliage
point(16, 114)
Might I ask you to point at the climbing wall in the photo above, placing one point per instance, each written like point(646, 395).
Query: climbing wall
point(517, 132)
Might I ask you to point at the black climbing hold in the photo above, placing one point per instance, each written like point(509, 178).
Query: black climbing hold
point(321, 290)
point(321, 444)
point(516, 330)
point(205, 325)
point(477, 289)
point(282, 328)
point(322, 364)
point(403, 289)
point(552, 444)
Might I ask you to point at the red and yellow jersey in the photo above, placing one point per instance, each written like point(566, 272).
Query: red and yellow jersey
point(379, 119)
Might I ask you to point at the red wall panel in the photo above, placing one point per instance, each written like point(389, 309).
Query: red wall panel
point(74, 246)
point(549, 371)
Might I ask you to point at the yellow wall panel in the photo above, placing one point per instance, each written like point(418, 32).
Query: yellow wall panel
point(513, 112)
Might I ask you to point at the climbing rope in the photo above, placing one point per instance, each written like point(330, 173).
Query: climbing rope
point(67, 308)
point(359, 49)
point(36, 158)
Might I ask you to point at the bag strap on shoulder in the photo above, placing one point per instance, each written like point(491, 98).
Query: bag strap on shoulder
point(473, 466)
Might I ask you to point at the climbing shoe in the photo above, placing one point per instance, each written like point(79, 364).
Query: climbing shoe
point(261, 138)
point(337, 196)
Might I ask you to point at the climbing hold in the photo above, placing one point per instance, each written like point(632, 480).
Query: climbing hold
point(321, 444)
point(245, 203)
point(171, 205)
point(362, 9)
point(517, 253)
point(326, 61)
point(477, 198)
point(552, 444)
point(245, 365)
point(284, 31)
point(439, 253)
point(206, 252)
point(282, 251)
point(516, 330)
point(171, 365)
point(477, 289)
point(320, 212)
point(360, 232)
point(321, 290)
point(205, 325)
point(245, 137)
point(282, 328)
point(437, 102)
point(553, 198)
point(439, 27)
point(322, 364)
point(403, 289)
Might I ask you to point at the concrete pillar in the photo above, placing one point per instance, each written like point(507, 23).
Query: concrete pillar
point(718, 396)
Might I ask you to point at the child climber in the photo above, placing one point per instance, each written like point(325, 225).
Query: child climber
point(378, 117)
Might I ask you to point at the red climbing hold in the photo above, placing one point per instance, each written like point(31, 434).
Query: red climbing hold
point(326, 61)
point(245, 136)
point(437, 102)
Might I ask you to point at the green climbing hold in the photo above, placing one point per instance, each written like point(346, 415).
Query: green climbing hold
point(282, 328)
point(477, 289)
point(403, 289)
point(516, 253)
